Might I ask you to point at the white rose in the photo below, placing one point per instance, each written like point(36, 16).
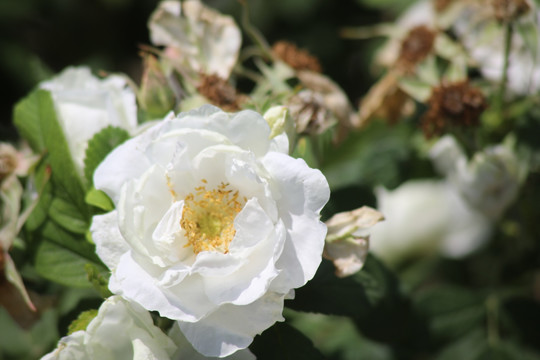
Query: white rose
point(489, 181)
point(121, 330)
point(86, 104)
point(482, 36)
point(423, 217)
point(214, 225)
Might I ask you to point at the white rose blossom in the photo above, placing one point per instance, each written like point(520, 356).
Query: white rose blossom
point(482, 36)
point(86, 104)
point(120, 331)
point(214, 226)
point(489, 181)
point(424, 217)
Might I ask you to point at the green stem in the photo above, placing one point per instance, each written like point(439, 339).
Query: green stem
point(253, 33)
point(492, 310)
point(508, 33)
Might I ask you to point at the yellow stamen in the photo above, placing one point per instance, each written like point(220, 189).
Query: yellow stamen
point(208, 217)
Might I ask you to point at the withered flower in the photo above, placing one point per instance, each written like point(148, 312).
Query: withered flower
point(8, 160)
point(508, 10)
point(298, 59)
point(320, 105)
point(416, 46)
point(219, 92)
point(442, 5)
point(457, 104)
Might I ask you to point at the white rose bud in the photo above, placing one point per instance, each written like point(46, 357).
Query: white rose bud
point(347, 243)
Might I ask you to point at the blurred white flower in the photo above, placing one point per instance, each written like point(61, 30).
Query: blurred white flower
point(425, 217)
point(120, 331)
point(483, 36)
point(86, 104)
point(214, 225)
point(347, 242)
point(489, 182)
point(198, 38)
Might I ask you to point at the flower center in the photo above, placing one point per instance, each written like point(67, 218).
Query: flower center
point(208, 218)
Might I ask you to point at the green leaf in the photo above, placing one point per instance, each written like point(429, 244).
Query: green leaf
point(282, 341)
point(98, 280)
point(100, 146)
point(38, 183)
point(20, 344)
point(475, 346)
point(394, 6)
point(337, 337)
point(451, 310)
point(99, 199)
point(372, 157)
point(354, 296)
point(524, 316)
point(28, 117)
point(62, 255)
point(65, 177)
point(371, 297)
point(509, 350)
point(56, 263)
point(469, 347)
point(36, 119)
point(67, 216)
point(73, 242)
point(82, 321)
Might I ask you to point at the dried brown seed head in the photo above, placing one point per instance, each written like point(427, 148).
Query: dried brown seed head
point(450, 105)
point(219, 92)
point(416, 46)
point(508, 10)
point(441, 5)
point(298, 59)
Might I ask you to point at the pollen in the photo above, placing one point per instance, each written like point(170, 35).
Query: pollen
point(208, 217)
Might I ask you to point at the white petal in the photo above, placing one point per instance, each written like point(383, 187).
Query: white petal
point(186, 351)
point(110, 335)
point(70, 347)
point(304, 191)
point(233, 327)
point(253, 279)
point(246, 129)
point(138, 219)
point(210, 263)
point(139, 285)
point(168, 237)
point(110, 244)
point(122, 164)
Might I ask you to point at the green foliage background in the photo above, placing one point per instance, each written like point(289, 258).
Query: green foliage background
point(483, 307)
